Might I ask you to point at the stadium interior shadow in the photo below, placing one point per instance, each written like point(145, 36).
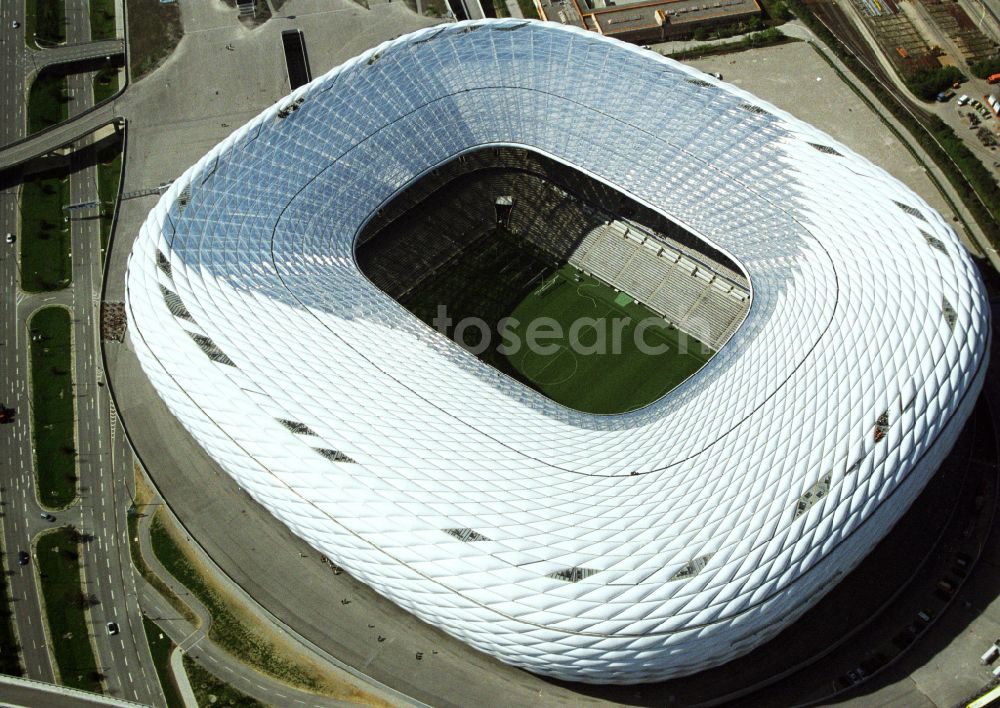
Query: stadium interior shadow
point(867, 633)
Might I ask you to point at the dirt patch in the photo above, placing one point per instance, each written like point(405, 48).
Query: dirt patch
point(154, 30)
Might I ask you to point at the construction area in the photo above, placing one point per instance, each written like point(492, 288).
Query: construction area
point(918, 35)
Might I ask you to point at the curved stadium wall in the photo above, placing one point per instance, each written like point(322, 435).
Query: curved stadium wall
point(600, 548)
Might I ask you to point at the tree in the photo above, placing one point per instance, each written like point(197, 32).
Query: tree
point(82, 600)
point(986, 67)
point(928, 83)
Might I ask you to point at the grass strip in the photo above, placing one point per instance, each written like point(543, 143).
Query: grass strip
point(48, 101)
point(142, 497)
point(102, 20)
point(109, 170)
point(229, 630)
point(52, 406)
point(44, 20)
point(765, 38)
point(152, 578)
point(160, 647)
point(212, 691)
point(45, 239)
point(58, 558)
point(105, 83)
point(528, 9)
point(10, 651)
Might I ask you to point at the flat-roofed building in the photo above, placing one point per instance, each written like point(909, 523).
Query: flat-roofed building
point(647, 21)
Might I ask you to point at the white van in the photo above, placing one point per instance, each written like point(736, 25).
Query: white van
point(990, 656)
point(963, 99)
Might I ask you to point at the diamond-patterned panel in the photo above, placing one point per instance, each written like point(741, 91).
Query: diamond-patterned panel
point(260, 253)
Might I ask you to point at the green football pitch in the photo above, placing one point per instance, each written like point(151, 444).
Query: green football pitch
point(596, 350)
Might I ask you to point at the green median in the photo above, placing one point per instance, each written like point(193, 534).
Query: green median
point(52, 417)
point(109, 170)
point(44, 23)
point(102, 20)
point(160, 647)
point(45, 235)
point(57, 555)
point(10, 651)
point(48, 100)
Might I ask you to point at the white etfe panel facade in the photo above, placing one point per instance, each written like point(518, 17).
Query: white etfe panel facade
point(511, 522)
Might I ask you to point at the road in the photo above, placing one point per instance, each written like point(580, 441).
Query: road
point(22, 692)
point(69, 53)
point(105, 464)
point(193, 640)
point(13, 154)
point(20, 517)
point(124, 659)
point(842, 18)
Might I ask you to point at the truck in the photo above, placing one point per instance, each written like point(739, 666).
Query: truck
point(993, 79)
point(945, 96)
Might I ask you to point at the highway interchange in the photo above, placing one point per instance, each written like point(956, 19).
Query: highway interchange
point(252, 553)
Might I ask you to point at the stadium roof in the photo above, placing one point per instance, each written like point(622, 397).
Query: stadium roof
point(476, 503)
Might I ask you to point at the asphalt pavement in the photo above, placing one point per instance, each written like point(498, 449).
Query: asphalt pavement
point(104, 476)
point(20, 509)
point(78, 51)
point(105, 469)
point(25, 692)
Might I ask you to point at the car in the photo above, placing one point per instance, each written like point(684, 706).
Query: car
point(15, 24)
point(23, 558)
point(47, 516)
point(10, 238)
point(112, 628)
point(715, 75)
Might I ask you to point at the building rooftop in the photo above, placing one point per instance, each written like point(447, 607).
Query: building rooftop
point(616, 19)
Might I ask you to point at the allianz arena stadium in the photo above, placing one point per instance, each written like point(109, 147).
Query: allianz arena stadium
point(277, 298)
